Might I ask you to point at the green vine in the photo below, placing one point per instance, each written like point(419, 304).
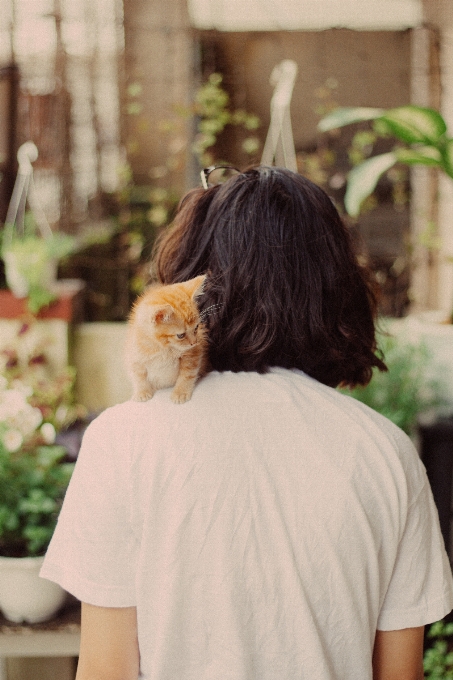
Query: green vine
point(211, 107)
point(144, 210)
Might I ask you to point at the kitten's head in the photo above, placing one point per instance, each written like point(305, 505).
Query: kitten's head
point(171, 315)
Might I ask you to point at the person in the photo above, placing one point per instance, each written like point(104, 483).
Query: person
point(271, 528)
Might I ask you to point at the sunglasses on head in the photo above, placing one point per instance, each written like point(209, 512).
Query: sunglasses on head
point(217, 174)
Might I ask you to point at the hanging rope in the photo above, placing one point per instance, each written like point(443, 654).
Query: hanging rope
point(279, 143)
point(24, 191)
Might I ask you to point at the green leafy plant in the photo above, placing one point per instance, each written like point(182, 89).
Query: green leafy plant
point(438, 659)
point(406, 390)
point(32, 488)
point(213, 113)
point(144, 210)
point(31, 261)
point(423, 137)
point(36, 403)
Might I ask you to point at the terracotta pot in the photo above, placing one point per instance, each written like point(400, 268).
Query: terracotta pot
point(24, 596)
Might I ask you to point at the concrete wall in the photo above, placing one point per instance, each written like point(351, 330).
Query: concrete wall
point(98, 356)
point(371, 68)
point(159, 58)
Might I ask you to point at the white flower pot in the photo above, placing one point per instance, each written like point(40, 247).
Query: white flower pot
point(24, 596)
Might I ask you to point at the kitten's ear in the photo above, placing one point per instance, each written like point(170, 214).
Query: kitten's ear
point(198, 285)
point(154, 314)
point(163, 313)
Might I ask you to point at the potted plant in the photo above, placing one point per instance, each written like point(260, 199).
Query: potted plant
point(31, 262)
point(421, 131)
point(423, 139)
point(34, 473)
point(408, 391)
point(29, 248)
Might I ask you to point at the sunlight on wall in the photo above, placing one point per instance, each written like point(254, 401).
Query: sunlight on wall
point(308, 15)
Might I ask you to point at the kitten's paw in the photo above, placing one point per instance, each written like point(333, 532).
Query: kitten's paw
point(180, 396)
point(143, 395)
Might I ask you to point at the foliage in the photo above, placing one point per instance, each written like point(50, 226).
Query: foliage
point(211, 108)
point(406, 390)
point(423, 137)
point(31, 254)
point(144, 210)
point(32, 488)
point(321, 164)
point(35, 404)
point(438, 660)
point(330, 163)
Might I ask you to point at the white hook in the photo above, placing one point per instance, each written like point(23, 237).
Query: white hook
point(24, 190)
point(26, 155)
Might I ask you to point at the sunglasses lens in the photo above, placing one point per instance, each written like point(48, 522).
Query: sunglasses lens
point(221, 175)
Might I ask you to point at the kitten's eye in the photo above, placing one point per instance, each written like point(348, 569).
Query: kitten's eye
point(180, 336)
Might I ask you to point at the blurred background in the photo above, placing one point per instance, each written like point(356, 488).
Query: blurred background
point(124, 101)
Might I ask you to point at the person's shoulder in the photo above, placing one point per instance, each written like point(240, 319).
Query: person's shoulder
point(351, 411)
point(115, 421)
point(391, 440)
point(367, 414)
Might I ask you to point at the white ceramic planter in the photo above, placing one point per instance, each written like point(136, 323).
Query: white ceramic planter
point(24, 596)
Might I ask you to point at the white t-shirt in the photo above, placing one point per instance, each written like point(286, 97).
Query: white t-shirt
point(264, 530)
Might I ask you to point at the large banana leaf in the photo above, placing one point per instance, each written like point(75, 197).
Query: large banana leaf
point(411, 124)
point(422, 129)
point(414, 124)
point(347, 115)
point(363, 178)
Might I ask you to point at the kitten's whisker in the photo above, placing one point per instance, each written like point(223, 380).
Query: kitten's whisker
point(209, 310)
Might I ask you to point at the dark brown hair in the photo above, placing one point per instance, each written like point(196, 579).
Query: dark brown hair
point(284, 287)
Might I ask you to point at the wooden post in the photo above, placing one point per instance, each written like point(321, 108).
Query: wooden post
point(9, 78)
point(425, 91)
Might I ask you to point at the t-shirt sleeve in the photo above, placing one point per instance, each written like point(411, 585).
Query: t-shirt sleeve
point(92, 554)
point(420, 589)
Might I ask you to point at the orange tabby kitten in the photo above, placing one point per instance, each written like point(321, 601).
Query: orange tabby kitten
point(166, 343)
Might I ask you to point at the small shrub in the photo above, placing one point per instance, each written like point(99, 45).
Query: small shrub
point(406, 390)
point(438, 660)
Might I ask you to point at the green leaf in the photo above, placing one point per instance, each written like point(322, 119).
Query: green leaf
point(38, 538)
point(48, 456)
point(447, 157)
point(347, 115)
point(39, 297)
point(415, 124)
point(362, 180)
point(436, 629)
point(423, 155)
